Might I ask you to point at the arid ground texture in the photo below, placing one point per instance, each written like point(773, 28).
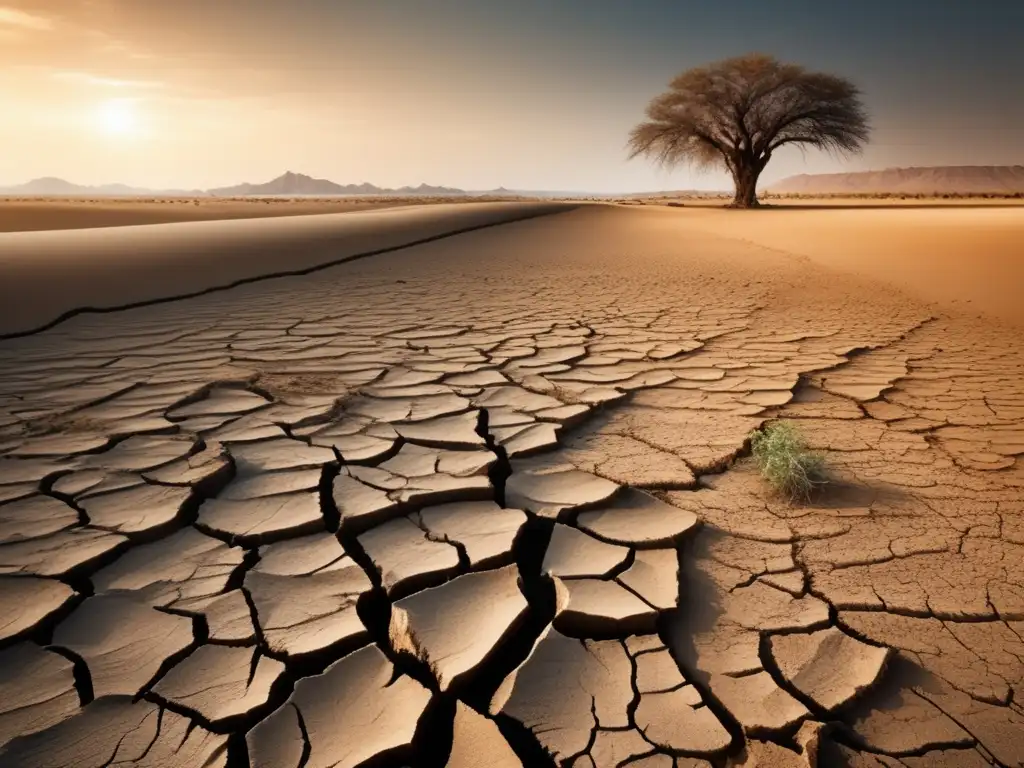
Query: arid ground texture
point(38, 214)
point(488, 499)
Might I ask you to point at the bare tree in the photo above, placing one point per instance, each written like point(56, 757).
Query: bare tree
point(737, 112)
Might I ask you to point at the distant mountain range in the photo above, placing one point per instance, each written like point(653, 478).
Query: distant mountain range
point(300, 184)
point(50, 186)
point(950, 179)
point(998, 179)
point(287, 185)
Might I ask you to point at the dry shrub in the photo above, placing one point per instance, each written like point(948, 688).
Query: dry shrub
point(785, 461)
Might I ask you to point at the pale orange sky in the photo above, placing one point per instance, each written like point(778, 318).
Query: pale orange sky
point(469, 93)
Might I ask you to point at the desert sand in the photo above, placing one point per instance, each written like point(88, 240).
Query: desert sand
point(967, 257)
point(101, 268)
point(30, 215)
point(488, 500)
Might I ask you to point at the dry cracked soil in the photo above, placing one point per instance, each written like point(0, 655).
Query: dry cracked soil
point(489, 502)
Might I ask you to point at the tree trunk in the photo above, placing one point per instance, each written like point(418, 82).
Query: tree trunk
point(745, 177)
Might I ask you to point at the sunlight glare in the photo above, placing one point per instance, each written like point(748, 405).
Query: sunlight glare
point(116, 117)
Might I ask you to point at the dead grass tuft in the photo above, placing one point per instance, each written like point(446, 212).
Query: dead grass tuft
point(785, 461)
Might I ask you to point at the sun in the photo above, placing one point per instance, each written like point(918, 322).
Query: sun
point(117, 117)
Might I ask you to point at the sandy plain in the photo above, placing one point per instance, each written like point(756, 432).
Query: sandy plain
point(487, 500)
point(26, 214)
point(35, 214)
point(105, 267)
point(966, 256)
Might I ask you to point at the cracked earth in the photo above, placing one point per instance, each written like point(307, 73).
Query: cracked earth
point(489, 502)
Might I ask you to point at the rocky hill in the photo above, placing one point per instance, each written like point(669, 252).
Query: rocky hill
point(300, 184)
point(51, 186)
point(953, 179)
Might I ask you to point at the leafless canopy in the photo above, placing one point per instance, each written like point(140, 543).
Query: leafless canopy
point(737, 112)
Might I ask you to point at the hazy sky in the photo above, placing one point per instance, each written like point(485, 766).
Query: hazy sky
point(529, 94)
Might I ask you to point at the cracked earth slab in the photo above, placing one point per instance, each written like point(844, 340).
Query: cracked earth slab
point(570, 691)
point(829, 667)
point(303, 556)
point(257, 521)
point(572, 553)
point(589, 607)
point(454, 628)
point(484, 531)
point(115, 731)
point(219, 682)
point(300, 615)
point(638, 519)
point(477, 742)
point(354, 711)
point(25, 603)
point(37, 689)
point(182, 567)
point(123, 642)
point(228, 617)
point(35, 517)
point(403, 555)
point(367, 496)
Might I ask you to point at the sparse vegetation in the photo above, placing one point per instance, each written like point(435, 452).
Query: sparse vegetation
point(785, 461)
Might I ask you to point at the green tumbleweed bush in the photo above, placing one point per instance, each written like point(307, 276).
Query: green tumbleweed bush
point(785, 461)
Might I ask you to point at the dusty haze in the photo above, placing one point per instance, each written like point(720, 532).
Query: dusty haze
point(468, 93)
